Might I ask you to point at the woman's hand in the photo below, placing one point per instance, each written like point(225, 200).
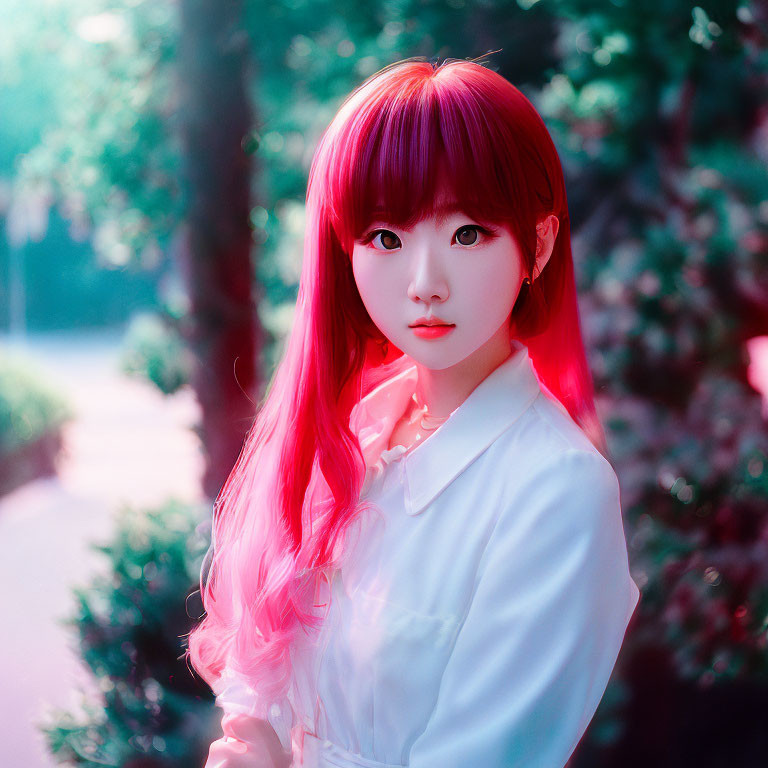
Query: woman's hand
point(247, 743)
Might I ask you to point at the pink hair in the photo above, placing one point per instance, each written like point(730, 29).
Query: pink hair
point(280, 521)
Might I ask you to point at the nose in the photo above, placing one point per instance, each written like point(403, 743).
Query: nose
point(428, 281)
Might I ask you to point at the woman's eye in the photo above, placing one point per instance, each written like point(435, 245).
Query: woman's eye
point(467, 235)
point(387, 239)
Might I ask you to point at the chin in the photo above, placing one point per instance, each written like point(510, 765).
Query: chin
point(435, 360)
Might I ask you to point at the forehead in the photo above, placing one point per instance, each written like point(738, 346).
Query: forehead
point(440, 210)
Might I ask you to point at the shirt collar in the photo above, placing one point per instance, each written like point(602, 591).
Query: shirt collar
point(495, 403)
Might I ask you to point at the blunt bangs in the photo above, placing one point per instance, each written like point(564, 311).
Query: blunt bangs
point(410, 138)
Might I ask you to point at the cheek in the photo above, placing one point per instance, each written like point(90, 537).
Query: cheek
point(490, 285)
point(379, 287)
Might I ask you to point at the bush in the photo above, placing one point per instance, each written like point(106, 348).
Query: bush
point(31, 416)
point(154, 350)
point(29, 406)
point(130, 624)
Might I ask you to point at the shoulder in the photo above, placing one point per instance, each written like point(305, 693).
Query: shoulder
point(556, 477)
point(570, 477)
point(545, 442)
point(554, 425)
point(566, 510)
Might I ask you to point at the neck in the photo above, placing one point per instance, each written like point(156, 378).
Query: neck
point(444, 390)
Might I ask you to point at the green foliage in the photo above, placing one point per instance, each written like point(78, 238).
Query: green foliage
point(130, 623)
point(154, 350)
point(85, 129)
point(80, 293)
point(107, 151)
point(658, 117)
point(29, 406)
point(27, 82)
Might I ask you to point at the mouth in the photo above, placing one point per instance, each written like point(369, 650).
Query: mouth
point(432, 330)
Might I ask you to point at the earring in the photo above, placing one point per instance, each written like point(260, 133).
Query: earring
point(526, 281)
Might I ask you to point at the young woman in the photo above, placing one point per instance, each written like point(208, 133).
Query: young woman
point(419, 558)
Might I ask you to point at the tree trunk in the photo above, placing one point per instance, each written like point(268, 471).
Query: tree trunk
point(223, 330)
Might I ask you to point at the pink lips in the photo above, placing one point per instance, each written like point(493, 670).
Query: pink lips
point(432, 331)
point(431, 327)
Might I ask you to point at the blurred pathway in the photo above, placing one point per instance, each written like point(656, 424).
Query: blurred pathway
point(127, 445)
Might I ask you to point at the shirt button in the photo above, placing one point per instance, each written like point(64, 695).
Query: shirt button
point(274, 710)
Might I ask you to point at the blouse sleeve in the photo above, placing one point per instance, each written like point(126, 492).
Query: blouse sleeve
point(247, 743)
point(235, 696)
point(553, 598)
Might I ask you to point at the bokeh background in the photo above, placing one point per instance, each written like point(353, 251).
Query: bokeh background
point(153, 164)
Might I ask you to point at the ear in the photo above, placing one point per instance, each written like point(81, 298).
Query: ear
point(546, 233)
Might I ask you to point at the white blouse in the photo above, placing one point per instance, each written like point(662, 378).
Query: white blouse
point(482, 610)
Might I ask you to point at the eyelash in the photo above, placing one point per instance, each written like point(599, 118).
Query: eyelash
point(490, 235)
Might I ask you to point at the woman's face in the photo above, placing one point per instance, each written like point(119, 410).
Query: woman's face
point(456, 270)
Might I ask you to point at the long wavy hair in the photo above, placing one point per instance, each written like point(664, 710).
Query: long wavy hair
point(280, 520)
